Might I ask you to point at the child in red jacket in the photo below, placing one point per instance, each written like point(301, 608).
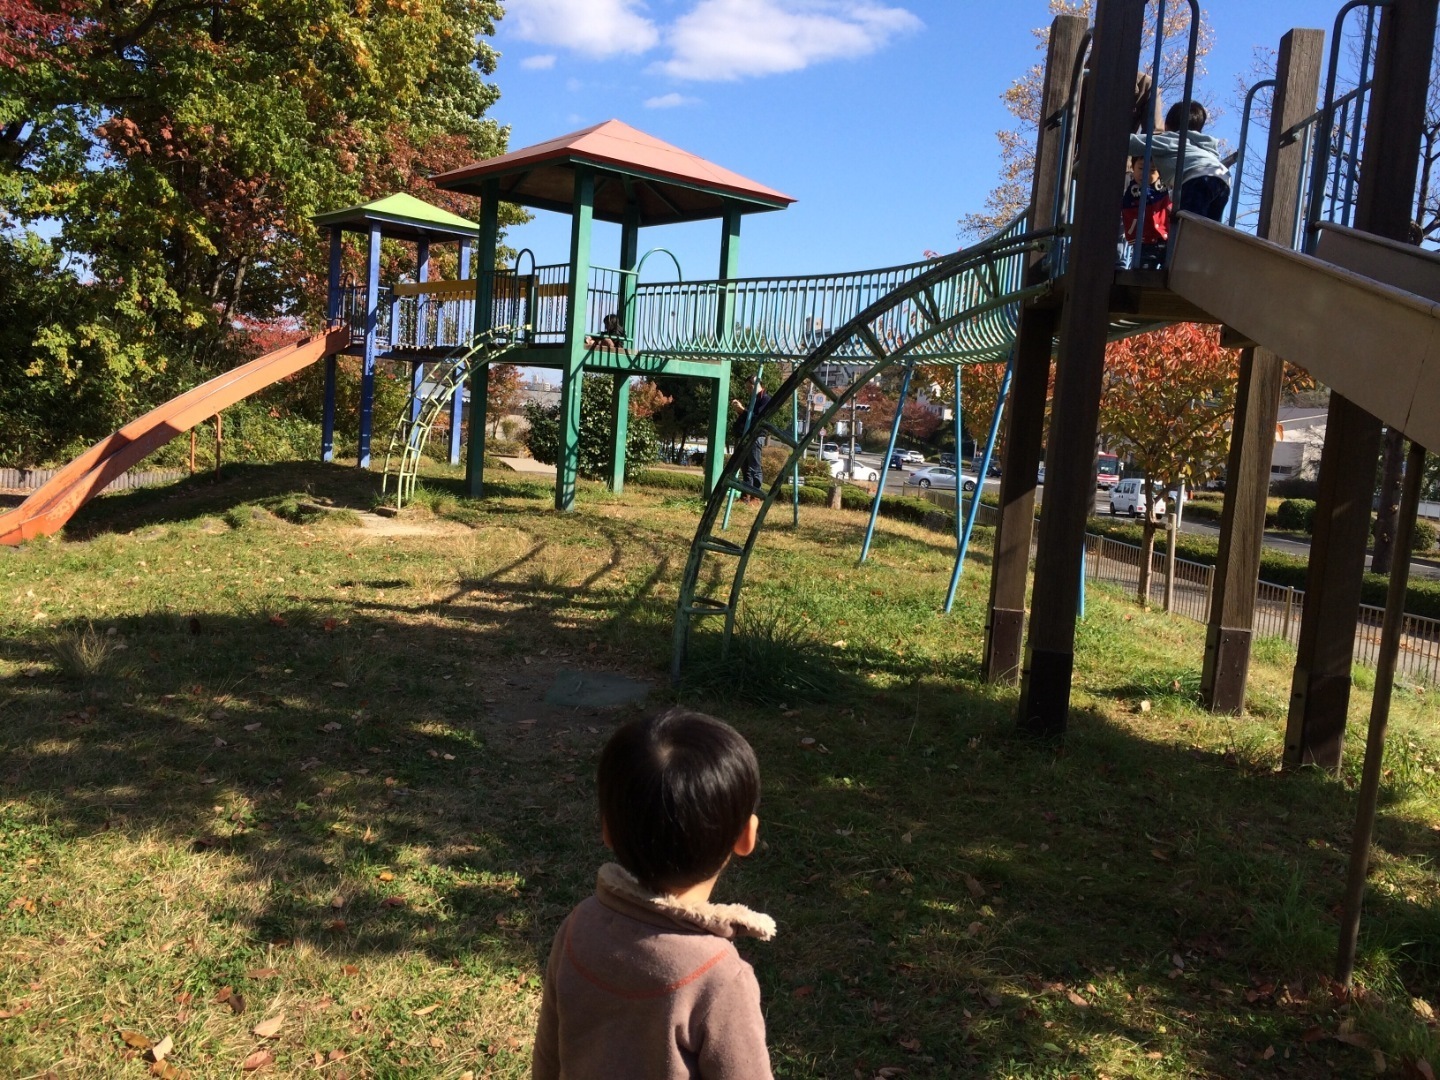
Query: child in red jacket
point(1151, 254)
point(644, 981)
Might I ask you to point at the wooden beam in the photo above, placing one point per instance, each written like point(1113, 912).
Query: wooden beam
point(1079, 369)
point(1030, 386)
point(1230, 627)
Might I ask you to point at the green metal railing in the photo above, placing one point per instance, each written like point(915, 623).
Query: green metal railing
point(789, 318)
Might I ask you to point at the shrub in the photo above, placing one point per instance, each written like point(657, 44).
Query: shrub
point(1296, 514)
point(1425, 537)
point(1292, 487)
point(670, 480)
point(642, 445)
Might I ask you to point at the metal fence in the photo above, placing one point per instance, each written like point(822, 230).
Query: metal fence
point(1278, 608)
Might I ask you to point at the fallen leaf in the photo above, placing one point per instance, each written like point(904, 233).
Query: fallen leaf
point(258, 1060)
point(262, 973)
point(386, 875)
point(1423, 1070)
point(1268, 1054)
point(426, 1011)
point(1423, 1010)
point(165, 1071)
point(335, 926)
point(802, 991)
point(135, 1040)
point(268, 1029)
point(910, 1043)
point(329, 625)
point(1354, 1038)
point(1312, 1034)
point(393, 902)
point(350, 969)
point(974, 928)
point(973, 887)
point(236, 1003)
point(161, 1050)
point(277, 620)
point(332, 726)
point(1076, 999)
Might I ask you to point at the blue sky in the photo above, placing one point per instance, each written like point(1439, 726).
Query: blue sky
point(878, 116)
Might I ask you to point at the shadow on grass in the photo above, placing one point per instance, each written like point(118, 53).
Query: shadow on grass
point(943, 885)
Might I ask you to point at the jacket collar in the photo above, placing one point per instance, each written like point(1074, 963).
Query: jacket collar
point(616, 883)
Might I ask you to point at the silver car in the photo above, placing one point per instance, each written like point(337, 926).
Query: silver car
point(941, 477)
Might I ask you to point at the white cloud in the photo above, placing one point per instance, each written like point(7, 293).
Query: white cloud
point(732, 39)
point(670, 101)
point(543, 62)
point(597, 28)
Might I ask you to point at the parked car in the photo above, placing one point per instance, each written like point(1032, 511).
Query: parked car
point(947, 459)
point(941, 476)
point(914, 457)
point(994, 469)
point(864, 473)
point(898, 461)
point(1040, 474)
point(1129, 497)
point(829, 451)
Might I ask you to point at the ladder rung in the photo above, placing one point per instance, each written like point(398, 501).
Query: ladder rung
point(703, 605)
point(724, 547)
point(747, 489)
point(784, 436)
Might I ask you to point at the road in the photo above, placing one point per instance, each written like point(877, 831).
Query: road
point(896, 481)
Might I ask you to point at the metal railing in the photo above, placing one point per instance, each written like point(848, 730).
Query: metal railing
point(1278, 608)
point(787, 318)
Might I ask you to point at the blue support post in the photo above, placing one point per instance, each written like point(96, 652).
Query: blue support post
point(959, 500)
point(795, 469)
point(372, 330)
point(417, 371)
point(417, 379)
point(332, 316)
point(457, 403)
point(484, 311)
point(1082, 583)
point(974, 513)
point(885, 465)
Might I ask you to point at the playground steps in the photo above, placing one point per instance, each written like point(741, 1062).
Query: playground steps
point(1376, 344)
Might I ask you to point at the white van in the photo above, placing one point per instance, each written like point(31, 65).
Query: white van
point(1128, 497)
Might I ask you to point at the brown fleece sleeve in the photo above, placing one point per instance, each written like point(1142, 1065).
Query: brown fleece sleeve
point(545, 1059)
point(733, 1046)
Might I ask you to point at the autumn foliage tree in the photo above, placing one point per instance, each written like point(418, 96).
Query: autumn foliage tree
point(502, 395)
point(1167, 406)
point(160, 163)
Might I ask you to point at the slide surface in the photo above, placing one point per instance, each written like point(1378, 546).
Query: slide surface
point(48, 509)
point(1375, 342)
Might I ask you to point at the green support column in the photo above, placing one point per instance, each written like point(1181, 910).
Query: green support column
point(729, 270)
point(479, 376)
point(719, 422)
point(577, 298)
point(620, 396)
point(620, 411)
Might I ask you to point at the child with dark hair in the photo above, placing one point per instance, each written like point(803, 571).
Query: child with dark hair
point(1202, 185)
point(1149, 252)
point(644, 982)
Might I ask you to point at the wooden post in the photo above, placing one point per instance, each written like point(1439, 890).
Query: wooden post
point(332, 314)
point(1079, 368)
point(192, 451)
point(1030, 386)
point(1320, 691)
point(219, 438)
point(1379, 718)
point(1230, 627)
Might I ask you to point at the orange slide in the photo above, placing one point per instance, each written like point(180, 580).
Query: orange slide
point(48, 509)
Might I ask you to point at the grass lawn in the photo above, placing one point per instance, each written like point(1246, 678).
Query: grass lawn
point(280, 785)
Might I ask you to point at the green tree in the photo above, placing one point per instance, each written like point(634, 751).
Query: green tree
point(597, 432)
point(179, 149)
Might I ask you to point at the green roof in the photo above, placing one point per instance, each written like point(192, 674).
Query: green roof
point(400, 217)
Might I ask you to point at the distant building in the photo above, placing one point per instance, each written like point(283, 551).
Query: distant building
point(1298, 440)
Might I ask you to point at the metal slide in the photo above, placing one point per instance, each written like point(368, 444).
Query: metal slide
point(1376, 343)
point(48, 509)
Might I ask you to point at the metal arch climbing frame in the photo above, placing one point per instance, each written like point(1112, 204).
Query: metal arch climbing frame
point(963, 309)
point(408, 440)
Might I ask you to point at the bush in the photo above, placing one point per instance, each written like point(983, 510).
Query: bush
point(1426, 536)
point(642, 445)
point(1297, 515)
point(1292, 487)
point(670, 480)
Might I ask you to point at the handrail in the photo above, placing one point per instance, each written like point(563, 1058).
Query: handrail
point(679, 274)
point(1319, 163)
point(1237, 159)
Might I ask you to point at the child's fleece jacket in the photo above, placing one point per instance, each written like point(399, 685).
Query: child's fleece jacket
point(642, 987)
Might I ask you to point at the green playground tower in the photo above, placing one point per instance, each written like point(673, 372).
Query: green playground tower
point(581, 316)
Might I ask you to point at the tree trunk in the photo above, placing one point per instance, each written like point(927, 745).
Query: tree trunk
point(1147, 557)
point(1385, 516)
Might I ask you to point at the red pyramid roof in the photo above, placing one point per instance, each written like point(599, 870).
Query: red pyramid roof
point(668, 184)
